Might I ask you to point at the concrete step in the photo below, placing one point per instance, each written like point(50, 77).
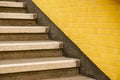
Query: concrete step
point(7, 0)
point(29, 49)
point(72, 78)
point(18, 33)
point(25, 29)
point(12, 4)
point(18, 16)
point(17, 19)
point(29, 45)
point(37, 64)
point(42, 74)
point(23, 54)
point(14, 7)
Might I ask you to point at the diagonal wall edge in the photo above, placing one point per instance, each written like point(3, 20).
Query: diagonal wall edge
point(88, 68)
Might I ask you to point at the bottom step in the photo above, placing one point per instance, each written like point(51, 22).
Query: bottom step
point(41, 75)
point(38, 68)
point(37, 64)
point(72, 78)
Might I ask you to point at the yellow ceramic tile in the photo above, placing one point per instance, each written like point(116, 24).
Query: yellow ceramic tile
point(118, 76)
point(94, 26)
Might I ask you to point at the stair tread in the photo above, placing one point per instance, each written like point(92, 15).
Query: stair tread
point(28, 42)
point(73, 78)
point(12, 4)
point(35, 64)
point(18, 16)
point(29, 45)
point(25, 29)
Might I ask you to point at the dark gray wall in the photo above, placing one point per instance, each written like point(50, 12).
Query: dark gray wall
point(88, 68)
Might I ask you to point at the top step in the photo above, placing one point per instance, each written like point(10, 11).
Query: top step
point(7, 0)
point(12, 4)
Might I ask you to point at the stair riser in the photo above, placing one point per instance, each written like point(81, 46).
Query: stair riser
point(23, 37)
point(30, 54)
point(41, 74)
point(17, 22)
point(12, 10)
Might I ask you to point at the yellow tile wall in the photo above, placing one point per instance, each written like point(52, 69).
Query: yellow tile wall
point(94, 25)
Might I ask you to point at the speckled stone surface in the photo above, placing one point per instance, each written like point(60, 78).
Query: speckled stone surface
point(72, 78)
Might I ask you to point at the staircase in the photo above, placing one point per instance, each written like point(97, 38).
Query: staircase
point(26, 51)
